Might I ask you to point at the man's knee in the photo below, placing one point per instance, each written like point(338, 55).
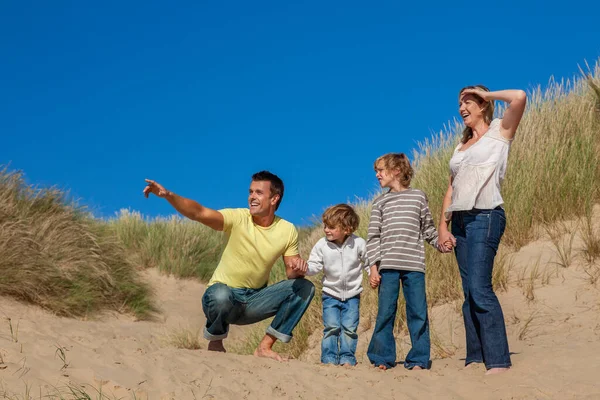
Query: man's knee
point(304, 288)
point(217, 297)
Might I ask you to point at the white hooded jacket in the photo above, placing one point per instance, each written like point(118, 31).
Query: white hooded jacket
point(341, 265)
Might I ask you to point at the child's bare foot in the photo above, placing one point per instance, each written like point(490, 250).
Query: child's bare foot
point(494, 371)
point(216, 345)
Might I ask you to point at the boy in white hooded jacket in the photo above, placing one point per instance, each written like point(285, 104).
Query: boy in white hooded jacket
point(341, 256)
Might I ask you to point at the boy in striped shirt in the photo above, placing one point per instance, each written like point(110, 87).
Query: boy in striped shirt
point(400, 222)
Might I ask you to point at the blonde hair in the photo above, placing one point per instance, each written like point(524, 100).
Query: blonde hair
point(488, 114)
point(343, 216)
point(392, 161)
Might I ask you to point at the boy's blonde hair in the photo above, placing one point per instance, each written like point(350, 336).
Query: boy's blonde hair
point(399, 161)
point(343, 216)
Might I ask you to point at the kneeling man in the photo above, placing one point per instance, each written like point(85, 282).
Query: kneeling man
point(238, 293)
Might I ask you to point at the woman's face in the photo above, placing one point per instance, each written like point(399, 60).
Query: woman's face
point(470, 110)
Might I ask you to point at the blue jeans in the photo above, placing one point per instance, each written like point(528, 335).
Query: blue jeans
point(382, 348)
point(286, 300)
point(340, 319)
point(478, 234)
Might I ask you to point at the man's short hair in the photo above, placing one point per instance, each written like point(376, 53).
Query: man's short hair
point(276, 184)
point(342, 216)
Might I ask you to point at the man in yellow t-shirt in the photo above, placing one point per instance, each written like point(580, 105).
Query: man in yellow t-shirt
point(238, 293)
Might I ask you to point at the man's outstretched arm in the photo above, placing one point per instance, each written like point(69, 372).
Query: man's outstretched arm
point(186, 207)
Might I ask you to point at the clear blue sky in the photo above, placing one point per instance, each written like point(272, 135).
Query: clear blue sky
point(97, 96)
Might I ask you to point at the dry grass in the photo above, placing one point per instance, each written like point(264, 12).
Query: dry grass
point(53, 254)
point(591, 238)
point(174, 245)
point(185, 338)
point(70, 391)
point(562, 237)
point(528, 326)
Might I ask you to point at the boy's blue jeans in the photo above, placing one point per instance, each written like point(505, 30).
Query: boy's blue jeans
point(382, 348)
point(478, 234)
point(340, 319)
point(286, 300)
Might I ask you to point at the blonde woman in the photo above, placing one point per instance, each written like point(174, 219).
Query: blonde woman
point(474, 206)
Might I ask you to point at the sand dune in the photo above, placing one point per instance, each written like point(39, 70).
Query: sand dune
point(554, 337)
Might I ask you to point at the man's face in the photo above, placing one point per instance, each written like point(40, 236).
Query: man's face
point(260, 200)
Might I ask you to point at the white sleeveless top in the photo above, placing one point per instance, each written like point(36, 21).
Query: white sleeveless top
point(478, 172)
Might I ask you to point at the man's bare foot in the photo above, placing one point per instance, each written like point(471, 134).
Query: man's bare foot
point(265, 349)
point(347, 365)
point(216, 345)
point(268, 353)
point(494, 371)
point(416, 368)
point(382, 367)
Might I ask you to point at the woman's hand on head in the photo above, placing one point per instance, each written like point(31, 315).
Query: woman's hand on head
point(477, 92)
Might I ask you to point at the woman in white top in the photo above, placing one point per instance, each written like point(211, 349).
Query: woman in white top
point(473, 204)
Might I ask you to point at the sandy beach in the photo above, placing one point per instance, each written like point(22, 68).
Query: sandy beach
point(554, 339)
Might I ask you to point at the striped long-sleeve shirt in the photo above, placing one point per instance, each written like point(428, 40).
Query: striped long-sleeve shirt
point(400, 222)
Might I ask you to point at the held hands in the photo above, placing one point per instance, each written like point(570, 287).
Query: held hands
point(446, 242)
point(155, 188)
point(299, 265)
point(374, 277)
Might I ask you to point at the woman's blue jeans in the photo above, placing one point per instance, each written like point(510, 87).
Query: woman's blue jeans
point(382, 348)
point(478, 234)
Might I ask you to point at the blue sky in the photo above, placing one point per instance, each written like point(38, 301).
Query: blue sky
point(95, 97)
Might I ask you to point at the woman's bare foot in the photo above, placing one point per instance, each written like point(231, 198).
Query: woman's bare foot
point(216, 345)
point(265, 349)
point(472, 365)
point(494, 371)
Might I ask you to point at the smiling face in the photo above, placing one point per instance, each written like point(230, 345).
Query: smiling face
point(471, 109)
point(336, 234)
point(261, 200)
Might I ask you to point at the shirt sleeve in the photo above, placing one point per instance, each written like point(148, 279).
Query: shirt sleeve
point(364, 259)
point(374, 236)
point(292, 247)
point(315, 260)
point(231, 218)
point(427, 226)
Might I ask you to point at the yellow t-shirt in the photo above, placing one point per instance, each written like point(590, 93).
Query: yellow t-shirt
point(251, 250)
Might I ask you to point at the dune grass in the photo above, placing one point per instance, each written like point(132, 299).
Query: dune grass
point(53, 254)
point(174, 245)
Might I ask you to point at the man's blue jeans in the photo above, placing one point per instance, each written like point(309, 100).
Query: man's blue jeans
point(286, 300)
point(382, 348)
point(478, 234)
point(340, 320)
